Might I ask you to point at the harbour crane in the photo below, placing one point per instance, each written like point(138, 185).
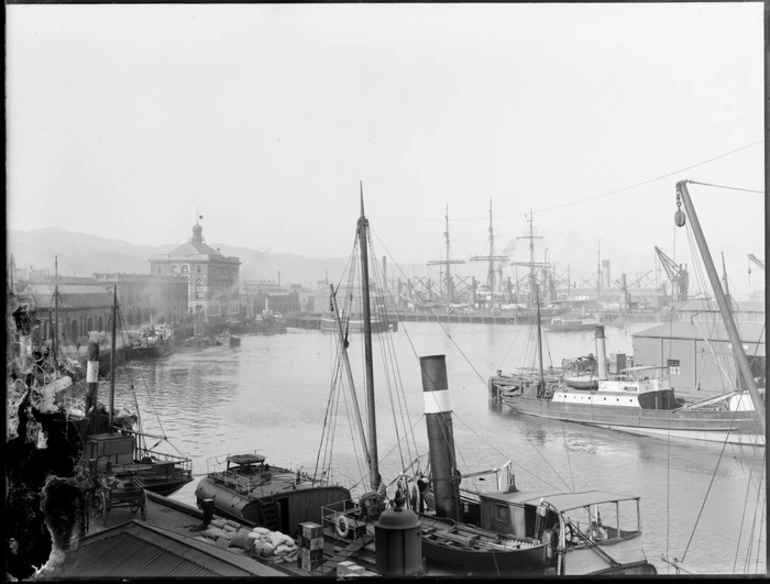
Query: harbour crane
point(757, 261)
point(678, 275)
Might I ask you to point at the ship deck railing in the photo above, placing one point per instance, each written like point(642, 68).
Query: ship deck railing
point(179, 462)
point(330, 515)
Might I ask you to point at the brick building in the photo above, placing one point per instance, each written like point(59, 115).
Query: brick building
point(148, 299)
point(83, 305)
point(212, 278)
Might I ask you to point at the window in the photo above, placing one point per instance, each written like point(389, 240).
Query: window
point(174, 269)
point(502, 514)
point(673, 366)
point(198, 269)
point(185, 269)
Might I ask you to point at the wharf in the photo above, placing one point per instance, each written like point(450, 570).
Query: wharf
point(312, 321)
point(168, 542)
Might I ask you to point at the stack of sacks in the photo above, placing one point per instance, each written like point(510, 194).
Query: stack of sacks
point(242, 542)
point(222, 531)
point(273, 545)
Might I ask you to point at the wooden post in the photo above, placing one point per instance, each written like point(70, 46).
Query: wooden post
point(113, 353)
point(92, 379)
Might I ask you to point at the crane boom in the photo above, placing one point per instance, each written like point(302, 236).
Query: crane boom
point(757, 261)
point(676, 273)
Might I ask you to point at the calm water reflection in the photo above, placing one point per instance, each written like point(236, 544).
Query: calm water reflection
point(270, 395)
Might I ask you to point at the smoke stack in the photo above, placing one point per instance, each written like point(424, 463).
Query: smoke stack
point(438, 419)
point(601, 352)
point(279, 277)
point(606, 273)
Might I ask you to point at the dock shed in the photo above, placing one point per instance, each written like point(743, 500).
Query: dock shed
point(696, 354)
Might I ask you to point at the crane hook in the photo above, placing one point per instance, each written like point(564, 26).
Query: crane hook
point(679, 217)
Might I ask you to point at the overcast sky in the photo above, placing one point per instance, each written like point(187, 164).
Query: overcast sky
point(125, 120)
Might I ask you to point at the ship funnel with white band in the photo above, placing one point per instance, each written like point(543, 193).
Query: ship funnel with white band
point(601, 352)
point(438, 418)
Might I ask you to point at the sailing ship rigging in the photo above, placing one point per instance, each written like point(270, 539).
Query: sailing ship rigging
point(749, 385)
point(638, 400)
point(457, 523)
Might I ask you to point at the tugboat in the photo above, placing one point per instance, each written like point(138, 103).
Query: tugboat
point(151, 342)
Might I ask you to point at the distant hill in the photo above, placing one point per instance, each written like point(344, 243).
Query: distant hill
point(83, 255)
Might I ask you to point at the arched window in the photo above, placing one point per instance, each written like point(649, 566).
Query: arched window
point(100, 324)
point(198, 291)
point(185, 269)
point(89, 324)
point(74, 330)
point(198, 269)
point(174, 269)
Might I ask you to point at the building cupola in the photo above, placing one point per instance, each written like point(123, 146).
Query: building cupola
point(197, 236)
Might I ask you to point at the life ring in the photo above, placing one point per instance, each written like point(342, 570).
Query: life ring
point(342, 526)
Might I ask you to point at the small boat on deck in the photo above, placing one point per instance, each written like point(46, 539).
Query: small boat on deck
point(245, 487)
point(462, 547)
point(584, 381)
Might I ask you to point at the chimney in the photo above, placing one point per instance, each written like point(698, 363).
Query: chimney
point(601, 352)
point(438, 419)
point(606, 273)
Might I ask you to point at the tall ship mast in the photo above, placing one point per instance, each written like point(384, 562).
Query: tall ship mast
point(448, 282)
point(531, 264)
point(492, 281)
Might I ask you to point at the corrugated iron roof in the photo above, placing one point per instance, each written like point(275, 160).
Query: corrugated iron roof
point(561, 501)
point(712, 306)
point(139, 550)
point(750, 332)
point(70, 296)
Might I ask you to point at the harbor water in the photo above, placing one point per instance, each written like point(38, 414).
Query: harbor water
point(701, 502)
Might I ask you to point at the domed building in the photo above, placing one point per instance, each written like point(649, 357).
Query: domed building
point(212, 277)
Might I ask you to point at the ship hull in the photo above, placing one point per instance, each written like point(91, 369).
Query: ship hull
point(467, 559)
point(298, 505)
point(330, 324)
point(708, 425)
point(153, 351)
point(257, 328)
point(571, 328)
